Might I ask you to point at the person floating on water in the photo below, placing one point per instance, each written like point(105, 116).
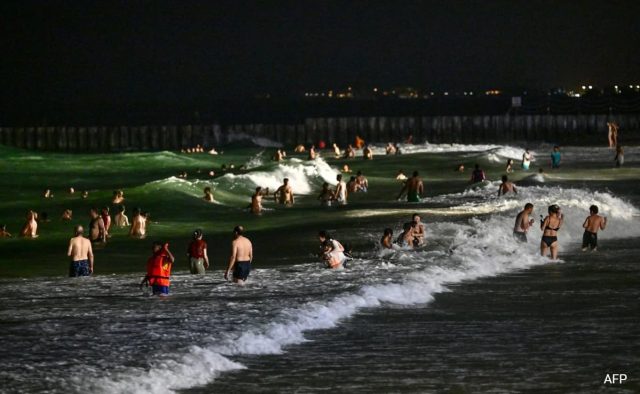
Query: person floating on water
point(526, 159)
point(299, 149)
point(340, 193)
point(138, 225)
point(159, 269)
point(414, 188)
point(121, 219)
point(241, 257)
point(387, 239)
point(506, 186)
point(556, 157)
point(30, 228)
point(362, 182)
point(418, 230)
point(591, 225)
point(81, 254)
point(256, 200)
point(332, 251)
point(523, 223)
point(208, 195)
point(613, 134)
point(197, 254)
point(284, 194)
point(326, 195)
point(3, 232)
point(97, 232)
point(619, 159)
point(477, 175)
point(550, 226)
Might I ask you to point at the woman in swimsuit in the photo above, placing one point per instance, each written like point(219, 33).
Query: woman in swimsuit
point(550, 226)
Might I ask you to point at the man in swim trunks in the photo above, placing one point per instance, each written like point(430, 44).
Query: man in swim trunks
point(591, 225)
point(197, 254)
point(341, 191)
point(523, 223)
point(121, 218)
point(241, 257)
point(285, 193)
point(506, 186)
point(81, 254)
point(413, 187)
point(97, 232)
point(352, 185)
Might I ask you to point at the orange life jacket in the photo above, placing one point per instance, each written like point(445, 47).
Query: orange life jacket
point(159, 269)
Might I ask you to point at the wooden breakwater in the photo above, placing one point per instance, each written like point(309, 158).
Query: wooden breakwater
point(581, 129)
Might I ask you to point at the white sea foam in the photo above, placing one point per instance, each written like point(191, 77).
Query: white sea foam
point(249, 139)
point(493, 152)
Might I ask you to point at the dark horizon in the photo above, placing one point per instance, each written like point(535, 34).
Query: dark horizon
point(96, 55)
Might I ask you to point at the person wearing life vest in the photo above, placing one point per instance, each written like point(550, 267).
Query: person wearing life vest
point(159, 269)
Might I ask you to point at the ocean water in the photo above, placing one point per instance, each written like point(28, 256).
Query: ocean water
point(473, 311)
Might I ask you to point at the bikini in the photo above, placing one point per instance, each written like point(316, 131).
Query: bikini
point(548, 239)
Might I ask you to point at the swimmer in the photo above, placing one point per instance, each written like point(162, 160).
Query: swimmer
point(397, 148)
point(555, 157)
point(340, 191)
point(367, 153)
point(3, 232)
point(278, 156)
point(118, 197)
point(460, 168)
point(414, 188)
point(509, 167)
point(619, 159)
point(350, 153)
point(299, 149)
point(106, 218)
point(138, 225)
point(333, 256)
point(359, 142)
point(506, 186)
point(418, 230)
point(312, 152)
point(30, 228)
point(613, 134)
point(400, 176)
point(477, 175)
point(208, 195)
point(336, 151)
point(241, 257)
point(121, 219)
point(550, 226)
point(390, 149)
point(212, 174)
point(81, 254)
point(97, 231)
point(406, 238)
point(409, 139)
point(387, 239)
point(326, 195)
point(71, 190)
point(362, 182)
point(85, 194)
point(67, 215)
point(526, 159)
point(523, 223)
point(346, 169)
point(284, 194)
point(159, 269)
point(352, 185)
point(47, 193)
point(197, 254)
point(340, 254)
point(256, 200)
point(591, 225)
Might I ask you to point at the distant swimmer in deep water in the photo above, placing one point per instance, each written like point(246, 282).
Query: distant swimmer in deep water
point(414, 188)
point(84, 195)
point(550, 226)
point(30, 228)
point(523, 223)
point(121, 219)
point(3, 231)
point(591, 225)
point(526, 159)
point(477, 175)
point(340, 193)
point(241, 257)
point(159, 269)
point(256, 200)
point(197, 254)
point(418, 230)
point(338, 253)
point(97, 231)
point(619, 159)
point(387, 239)
point(613, 134)
point(81, 254)
point(67, 215)
point(506, 186)
point(326, 195)
point(208, 195)
point(118, 197)
point(138, 225)
point(284, 194)
point(47, 193)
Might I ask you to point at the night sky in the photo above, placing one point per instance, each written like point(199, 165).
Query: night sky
point(133, 51)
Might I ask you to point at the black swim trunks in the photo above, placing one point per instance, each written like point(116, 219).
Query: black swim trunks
point(590, 240)
point(241, 270)
point(79, 268)
point(520, 236)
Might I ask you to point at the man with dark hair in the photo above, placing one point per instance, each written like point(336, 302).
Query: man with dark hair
point(197, 254)
point(241, 257)
point(286, 193)
point(523, 223)
point(413, 187)
point(591, 225)
point(97, 231)
point(506, 186)
point(341, 191)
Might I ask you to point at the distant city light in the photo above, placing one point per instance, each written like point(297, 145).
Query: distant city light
point(590, 87)
point(431, 93)
point(616, 87)
point(637, 86)
point(446, 93)
point(584, 87)
point(375, 89)
point(470, 93)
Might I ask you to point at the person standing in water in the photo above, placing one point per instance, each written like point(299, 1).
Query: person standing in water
point(81, 254)
point(555, 157)
point(138, 225)
point(30, 228)
point(341, 191)
point(550, 226)
point(121, 219)
point(208, 195)
point(106, 219)
point(159, 269)
point(312, 152)
point(97, 232)
point(613, 134)
point(477, 175)
point(326, 195)
point(509, 167)
point(285, 193)
point(367, 153)
point(256, 200)
point(619, 159)
point(413, 187)
point(387, 239)
point(339, 253)
point(362, 182)
point(406, 239)
point(241, 257)
point(418, 230)
point(197, 254)
point(3, 232)
point(523, 223)
point(526, 159)
point(591, 225)
point(336, 151)
point(506, 186)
